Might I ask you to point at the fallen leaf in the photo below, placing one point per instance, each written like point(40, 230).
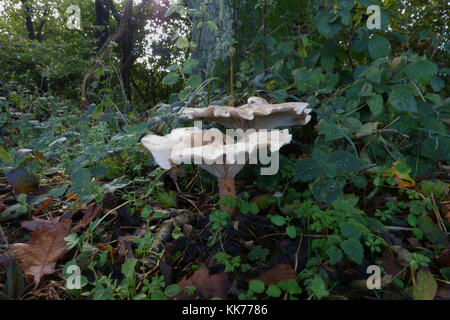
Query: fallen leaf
point(38, 257)
point(400, 172)
point(426, 286)
point(209, 286)
point(22, 181)
point(43, 206)
point(89, 214)
point(281, 272)
point(71, 196)
point(446, 211)
point(37, 223)
point(106, 247)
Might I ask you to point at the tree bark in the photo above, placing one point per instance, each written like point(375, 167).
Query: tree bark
point(103, 52)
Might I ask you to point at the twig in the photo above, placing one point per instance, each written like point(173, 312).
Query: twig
point(377, 134)
point(298, 251)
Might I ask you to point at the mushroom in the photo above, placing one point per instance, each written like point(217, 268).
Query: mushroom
point(217, 153)
point(256, 114)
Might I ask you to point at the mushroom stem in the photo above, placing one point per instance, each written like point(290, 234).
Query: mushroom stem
point(227, 187)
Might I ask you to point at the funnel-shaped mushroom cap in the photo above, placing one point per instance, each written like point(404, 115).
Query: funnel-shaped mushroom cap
point(217, 153)
point(161, 147)
point(256, 114)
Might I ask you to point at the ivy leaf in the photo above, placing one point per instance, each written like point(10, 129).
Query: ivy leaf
point(353, 249)
point(327, 190)
point(375, 104)
point(402, 100)
point(379, 47)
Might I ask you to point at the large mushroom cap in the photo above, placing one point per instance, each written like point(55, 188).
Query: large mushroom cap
point(256, 114)
point(214, 151)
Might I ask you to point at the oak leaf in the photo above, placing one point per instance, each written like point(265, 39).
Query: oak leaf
point(38, 257)
point(210, 286)
point(281, 272)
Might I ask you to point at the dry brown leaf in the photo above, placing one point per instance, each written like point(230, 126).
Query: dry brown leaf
point(37, 223)
point(44, 205)
point(281, 272)
point(89, 214)
point(38, 257)
point(210, 286)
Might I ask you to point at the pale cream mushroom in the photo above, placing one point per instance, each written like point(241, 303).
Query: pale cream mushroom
point(214, 151)
point(256, 114)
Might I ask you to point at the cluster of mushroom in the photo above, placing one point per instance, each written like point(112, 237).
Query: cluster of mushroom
point(220, 154)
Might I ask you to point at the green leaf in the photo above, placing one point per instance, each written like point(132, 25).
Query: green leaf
point(194, 81)
point(278, 220)
point(15, 281)
point(326, 28)
point(308, 169)
point(273, 291)
point(189, 66)
point(256, 286)
point(379, 47)
point(421, 70)
point(327, 190)
point(345, 4)
point(280, 95)
point(318, 287)
point(172, 290)
point(431, 231)
point(345, 162)
point(291, 232)
point(375, 104)
point(359, 40)
point(182, 43)
point(171, 79)
point(445, 273)
point(349, 230)
point(436, 188)
point(426, 286)
point(212, 25)
point(353, 249)
point(4, 155)
point(437, 84)
point(335, 254)
point(402, 100)
point(128, 267)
